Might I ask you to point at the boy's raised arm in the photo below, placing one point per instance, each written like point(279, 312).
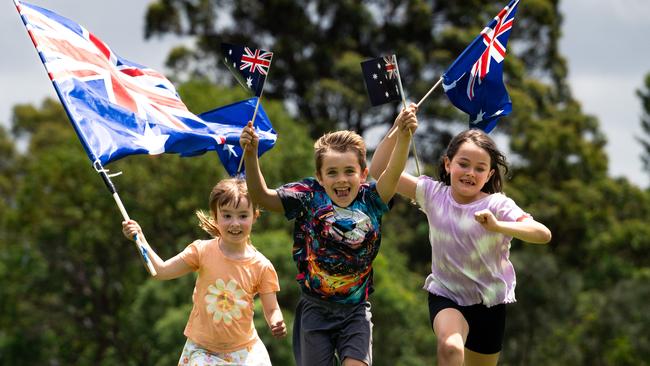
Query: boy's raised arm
point(259, 192)
point(390, 158)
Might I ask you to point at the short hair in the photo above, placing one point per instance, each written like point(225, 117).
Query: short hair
point(228, 191)
point(482, 140)
point(340, 141)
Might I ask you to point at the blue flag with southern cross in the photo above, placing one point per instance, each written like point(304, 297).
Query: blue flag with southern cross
point(474, 82)
point(249, 65)
point(118, 107)
point(380, 75)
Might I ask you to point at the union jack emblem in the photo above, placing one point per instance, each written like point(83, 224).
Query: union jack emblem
point(389, 65)
point(494, 48)
point(256, 60)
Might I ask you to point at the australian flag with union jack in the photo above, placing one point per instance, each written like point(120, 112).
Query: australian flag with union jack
point(250, 66)
point(474, 82)
point(119, 108)
point(380, 75)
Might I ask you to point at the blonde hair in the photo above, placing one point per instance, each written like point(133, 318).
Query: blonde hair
point(340, 141)
point(228, 191)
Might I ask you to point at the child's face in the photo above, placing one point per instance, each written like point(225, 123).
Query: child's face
point(468, 171)
point(235, 222)
point(341, 176)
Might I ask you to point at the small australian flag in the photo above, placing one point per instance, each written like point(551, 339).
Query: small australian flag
point(249, 65)
point(380, 75)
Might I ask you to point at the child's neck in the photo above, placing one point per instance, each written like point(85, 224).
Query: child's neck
point(235, 250)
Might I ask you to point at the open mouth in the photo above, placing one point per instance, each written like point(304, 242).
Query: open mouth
point(466, 182)
point(342, 192)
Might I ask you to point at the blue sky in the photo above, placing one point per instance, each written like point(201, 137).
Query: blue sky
point(605, 42)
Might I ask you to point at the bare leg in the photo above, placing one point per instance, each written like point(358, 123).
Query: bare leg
point(451, 330)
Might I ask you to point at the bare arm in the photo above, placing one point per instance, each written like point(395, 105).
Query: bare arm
point(390, 148)
point(273, 314)
point(260, 193)
point(166, 270)
point(527, 230)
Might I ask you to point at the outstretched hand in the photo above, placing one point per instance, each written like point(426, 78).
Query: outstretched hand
point(487, 220)
point(130, 229)
point(249, 139)
point(279, 329)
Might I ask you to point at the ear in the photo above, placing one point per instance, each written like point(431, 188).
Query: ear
point(364, 175)
point(447, 164)
point(319, 178)
point(490, 174)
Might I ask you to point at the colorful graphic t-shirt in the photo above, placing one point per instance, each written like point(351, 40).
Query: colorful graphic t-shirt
point(469, 264)
point(333, 246)
point(222, 316)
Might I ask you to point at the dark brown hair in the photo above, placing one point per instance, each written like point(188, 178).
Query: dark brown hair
point(227, 192)
point(340, 141)
point(482, 140)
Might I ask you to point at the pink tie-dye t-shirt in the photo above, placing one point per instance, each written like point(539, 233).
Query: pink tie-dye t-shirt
point(469, 264)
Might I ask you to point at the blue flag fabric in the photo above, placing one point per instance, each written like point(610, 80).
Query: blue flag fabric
point(249, 65)
point(233, 118)
point(474, 82)
point(380, 75)
point(116, 106)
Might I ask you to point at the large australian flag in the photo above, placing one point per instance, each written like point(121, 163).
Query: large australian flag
point(474, 82)
point(380, 75)
point(249, 65)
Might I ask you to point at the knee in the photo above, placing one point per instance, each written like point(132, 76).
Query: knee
point(451, 349)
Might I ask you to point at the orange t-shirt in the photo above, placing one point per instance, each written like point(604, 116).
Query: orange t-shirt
point(222, 315)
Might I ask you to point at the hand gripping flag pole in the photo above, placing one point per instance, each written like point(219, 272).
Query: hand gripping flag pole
point(250, 67)
point(401, 92)
point(143, 247)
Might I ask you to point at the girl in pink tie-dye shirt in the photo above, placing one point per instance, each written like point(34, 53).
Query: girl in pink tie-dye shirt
point(471, 223)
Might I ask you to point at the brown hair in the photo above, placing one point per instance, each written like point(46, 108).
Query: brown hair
point(340, 141)
point(482, 140)
point(228, 191)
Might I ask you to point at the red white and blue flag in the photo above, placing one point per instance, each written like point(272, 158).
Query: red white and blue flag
point(250, 66)
point(118, 107)
point(380, 76)
point(474, 82)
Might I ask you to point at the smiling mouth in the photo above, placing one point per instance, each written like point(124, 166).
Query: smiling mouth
point(342, 192)
point(467, 182)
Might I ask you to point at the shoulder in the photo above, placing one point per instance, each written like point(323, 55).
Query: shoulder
point(428, 188)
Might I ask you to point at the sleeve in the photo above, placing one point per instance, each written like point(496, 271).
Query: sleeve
point(425, 191)
point(375, 200)
point(507, 210)
point(191, 255)
point(295, 197)
point(268, 279)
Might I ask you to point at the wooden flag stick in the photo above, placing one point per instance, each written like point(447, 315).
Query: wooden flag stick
point(429, 92)
point(241, 161)
point(401, 91)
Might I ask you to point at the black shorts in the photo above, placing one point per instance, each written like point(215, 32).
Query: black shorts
point(486, 325)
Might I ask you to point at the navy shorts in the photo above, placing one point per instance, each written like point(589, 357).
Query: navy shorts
point(322, 328)
point(486, 325)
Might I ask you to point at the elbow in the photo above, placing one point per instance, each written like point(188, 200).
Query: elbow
point(545, 236)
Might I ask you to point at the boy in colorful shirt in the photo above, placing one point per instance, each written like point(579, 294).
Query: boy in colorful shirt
point(336, 238)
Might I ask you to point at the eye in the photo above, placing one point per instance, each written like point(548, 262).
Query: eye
point(463, 164)
point(244, 216)
point(227, 216)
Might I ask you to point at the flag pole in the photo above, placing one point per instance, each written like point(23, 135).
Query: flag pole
point(143, 247)
point(401, 91)
point(241, 161)
point(429, 92)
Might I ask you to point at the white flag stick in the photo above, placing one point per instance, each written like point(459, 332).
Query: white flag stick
point(143, 247)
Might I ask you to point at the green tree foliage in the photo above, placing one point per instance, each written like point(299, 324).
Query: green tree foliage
point(73, 290)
